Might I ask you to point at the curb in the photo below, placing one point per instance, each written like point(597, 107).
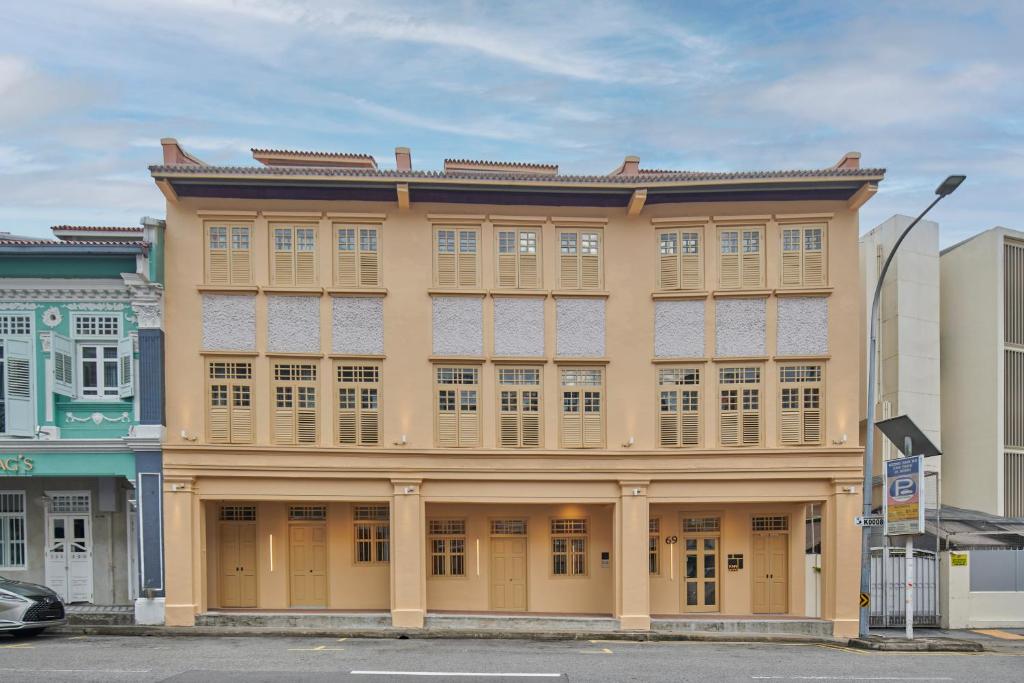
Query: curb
point(402, 634)
point(880, 644)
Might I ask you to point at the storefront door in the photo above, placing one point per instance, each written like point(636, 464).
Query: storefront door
point(700, 563)
point(238, 564)
point(307, 564)
point(771, 573)
point(69, 546)
point(508, 574)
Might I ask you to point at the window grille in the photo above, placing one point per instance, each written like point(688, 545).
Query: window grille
point(447, 527)
point(569, 547)
point(568, 526)
point(1013, 485)
point(299, 513)
point(447, 547)
point(508, 527)
point(238, 513)
point(97, 325)
point(700, 525)
point(770, 523)
point(12, 529)
point(372, 512)
point(15, 325)
point(372, 534)
point(70, 503)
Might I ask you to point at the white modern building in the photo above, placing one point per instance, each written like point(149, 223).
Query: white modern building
point(907, 366)
point(982, 340)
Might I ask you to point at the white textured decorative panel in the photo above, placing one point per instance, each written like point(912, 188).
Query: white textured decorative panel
point(458, 326)
point(518, 326)
point(357, 325)
point(679, 329)
point(229, 322)
point(802, 326)
point(740, 327)
point(293, 324)
point(579, 327)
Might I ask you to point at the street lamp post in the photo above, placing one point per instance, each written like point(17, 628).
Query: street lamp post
point(946, 188)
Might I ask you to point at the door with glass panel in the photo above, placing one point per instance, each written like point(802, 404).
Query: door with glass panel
point(700, 557)
point(68, 565)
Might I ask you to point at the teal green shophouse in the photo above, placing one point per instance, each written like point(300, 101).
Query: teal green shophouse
point(81, 414)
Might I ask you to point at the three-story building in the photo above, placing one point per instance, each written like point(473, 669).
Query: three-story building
point(500, 388)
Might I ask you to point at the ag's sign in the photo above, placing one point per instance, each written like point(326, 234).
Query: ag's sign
point(904, 507)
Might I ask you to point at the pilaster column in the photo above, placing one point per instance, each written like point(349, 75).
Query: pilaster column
point(841, 559)
point(632, 529)
point(408, 555)
point(179, 549)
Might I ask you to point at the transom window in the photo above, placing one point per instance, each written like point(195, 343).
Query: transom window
point(15, 325)
point(70, 503)
point(97, 325)
point(300, 513)
point(770, 523)
point(508, 527)
point(238, 513)
point(698, 525)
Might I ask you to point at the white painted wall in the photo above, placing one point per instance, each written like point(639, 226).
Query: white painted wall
point(963, 608)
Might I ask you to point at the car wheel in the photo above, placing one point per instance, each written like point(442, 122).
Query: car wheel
point(27, 633)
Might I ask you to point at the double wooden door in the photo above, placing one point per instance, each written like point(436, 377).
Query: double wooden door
point(508, 574)
point(771, 573)
point(237, 564)
point(307, 564)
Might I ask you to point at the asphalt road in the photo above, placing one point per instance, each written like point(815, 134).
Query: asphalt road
point(277, 659)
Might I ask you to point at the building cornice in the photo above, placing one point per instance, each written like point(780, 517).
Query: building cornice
point(75, 289)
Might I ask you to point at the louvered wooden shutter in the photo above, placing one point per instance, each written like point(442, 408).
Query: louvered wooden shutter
point(529, 271)
point(814, 266)
point(369, 426)
point(306, 425)
point(125, 367)
point(241, 260)
point(572, 430)
point(593, 425)
point(791, 427)
point(791, 267)
point(690, 271)
point(467, 270)
point(18, 388)
point(668, 429)
point(447, 428)
point(729, 266)
point(530, 429)
point(447, 270)
point(62, 353)
point(668, 271)
point(305, 266)
point(506, 270)
point(590, 270)
point(812, 426)
point(241, 424)
point(284, 421)
point(218, 271)
point(569, 273)
point(345, 272)
point(508, 429)
point(751, 427)
point(729, 428)
point(469, 427)
point(369, 268)
point(284, 265)
point(751, 268)
point(347, 425)
point(689, 428)
point(219, 421)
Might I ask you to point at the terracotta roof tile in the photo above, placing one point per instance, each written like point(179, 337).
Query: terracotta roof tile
point(97, 228)
point(311, 153)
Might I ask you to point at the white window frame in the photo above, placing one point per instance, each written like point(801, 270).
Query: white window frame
point(80, 346)
point(5, 541)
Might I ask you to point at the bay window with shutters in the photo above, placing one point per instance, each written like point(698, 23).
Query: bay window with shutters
point(518, 258)
point(520, 418)
point(457, 257)
point(680, 260)
point(580, 259)
point(229, 414)
point(98, 364)
point(739, 413)
point(293, 255)
point(800, 405)
point(228, 253)
point(294, 402)
point(803, 256)
point(569, 547)
point(372, 532)
point(447, 545)
point(679, 407)
point(358, 391)
point(582, 416)
point(457, 399)
point(357, 261)
point(741, 258)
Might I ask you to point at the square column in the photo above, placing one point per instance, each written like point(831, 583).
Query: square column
point(841, 559)
point(408, 555)
point(632, 531)
point(180, 522)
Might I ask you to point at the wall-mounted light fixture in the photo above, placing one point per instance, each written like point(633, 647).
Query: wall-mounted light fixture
point(841, 441)
point(191, 438)
point(629, 442)
point(401, 441)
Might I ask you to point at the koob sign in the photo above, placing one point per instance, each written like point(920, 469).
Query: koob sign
point(904, 509)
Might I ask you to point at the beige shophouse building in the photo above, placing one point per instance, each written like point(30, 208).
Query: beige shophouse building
point(496, 388)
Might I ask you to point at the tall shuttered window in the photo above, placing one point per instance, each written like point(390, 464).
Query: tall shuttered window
point(569, 547)
point(739, 411)
point(457, 257)
point(372, 527)
point(458, 410)
point(447, 543)
point(357, 261)
point(519, 261)
point(520, 419)
point(228, 254)
point(580, 259)
point(800, 405)
point(229, 407)
point(741, 258)
point(358, 390)
point(803, 256)
point(294, 387)
point(679, 413)
point(1013, 289)
point(582, 416)
point(680, 260)
point(654, 546)
point(1013, 484)
point(293, 255)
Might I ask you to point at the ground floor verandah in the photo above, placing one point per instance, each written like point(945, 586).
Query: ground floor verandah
point(418, 549)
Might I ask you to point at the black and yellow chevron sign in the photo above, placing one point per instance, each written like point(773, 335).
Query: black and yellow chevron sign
point(865, 599)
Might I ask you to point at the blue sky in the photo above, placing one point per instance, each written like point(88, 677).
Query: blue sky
point(924, 89)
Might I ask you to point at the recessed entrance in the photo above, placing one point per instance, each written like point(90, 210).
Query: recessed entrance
point(700, 560)
point(508, 565)
point(237, 556)
point(771, 565)
point(69, 545)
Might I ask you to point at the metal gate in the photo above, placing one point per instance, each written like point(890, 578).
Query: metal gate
point(888, 583)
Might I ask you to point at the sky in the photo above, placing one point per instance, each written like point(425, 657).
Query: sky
point(924, 89)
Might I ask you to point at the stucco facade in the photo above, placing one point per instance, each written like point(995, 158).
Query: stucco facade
point(609, 520)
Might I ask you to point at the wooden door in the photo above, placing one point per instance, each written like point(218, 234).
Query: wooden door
point(771, 573)
point(307, 565)
point(508, 574)
point(237, 564)
point(700, 570)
